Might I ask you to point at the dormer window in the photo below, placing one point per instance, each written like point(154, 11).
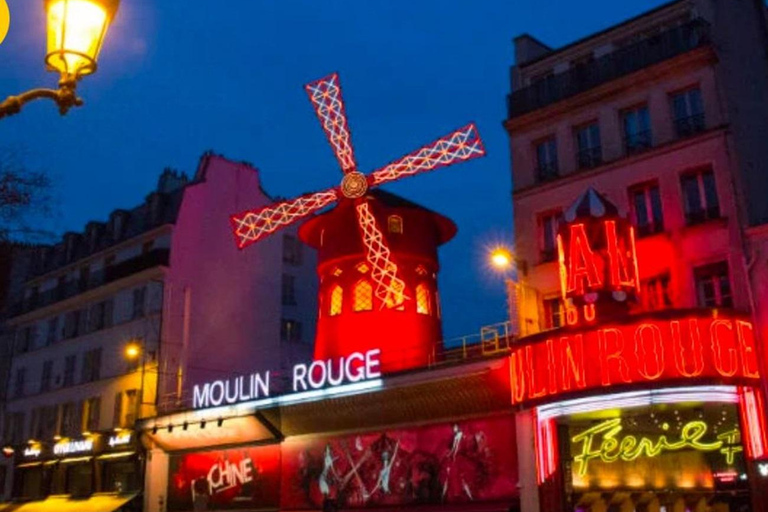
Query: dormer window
point(395, 224)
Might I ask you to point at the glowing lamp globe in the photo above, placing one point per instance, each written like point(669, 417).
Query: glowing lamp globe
point(501, 258)
point(76, 32)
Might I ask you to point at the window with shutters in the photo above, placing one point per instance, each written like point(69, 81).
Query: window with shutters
point(91, 366)
point(700, 200)
point(289, 290)
point(713, 286)
point(117, 412)
point(91, 413)
point(554, 314)
point(19, 381)
point(131, 406)
point(337, 295)
point(24, 339)
point(423, 305)
point(69, 370)
point(70, 420)
point(292, 250)
point(139, 298)
point(52, 336)
point(362, 296)
point(45, 378)
point(290, 330)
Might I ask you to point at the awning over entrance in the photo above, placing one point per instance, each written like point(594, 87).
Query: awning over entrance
point(96, 503)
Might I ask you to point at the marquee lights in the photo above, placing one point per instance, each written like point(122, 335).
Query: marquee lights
point(629, 399)
point(650, 349)
point(630, 448)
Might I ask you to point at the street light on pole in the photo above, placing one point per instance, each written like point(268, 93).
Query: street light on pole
point(133, 351)
point(502, 261)
point(76, 32)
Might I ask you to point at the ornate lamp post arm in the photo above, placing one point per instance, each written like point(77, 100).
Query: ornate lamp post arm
point(65, 97)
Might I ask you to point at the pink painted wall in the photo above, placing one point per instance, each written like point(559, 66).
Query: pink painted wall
point(223, 305)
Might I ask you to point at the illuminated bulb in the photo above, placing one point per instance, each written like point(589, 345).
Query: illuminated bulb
point(501, 258)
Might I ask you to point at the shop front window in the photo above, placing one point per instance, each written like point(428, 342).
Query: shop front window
point(120, 477)
point(79, 479)
point(686, 456)
point(31, 483)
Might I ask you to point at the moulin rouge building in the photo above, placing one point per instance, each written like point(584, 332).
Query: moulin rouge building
point(616, 408)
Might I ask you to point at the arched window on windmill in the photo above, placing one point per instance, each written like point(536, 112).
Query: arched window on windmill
point(362, 296)
point(423, 305)
point(395, 224)
point(337, 296)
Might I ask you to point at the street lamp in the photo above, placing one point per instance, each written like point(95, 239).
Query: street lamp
point(502, 260)
point(133, 351)
point(76, 32)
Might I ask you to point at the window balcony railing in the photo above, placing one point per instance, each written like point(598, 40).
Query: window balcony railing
point(621, 62)
point(644, 230)
point(547, 172)
point(702, 215)
point(112, 273)
point(637, 142)
point(687, 126)
point(588, 158)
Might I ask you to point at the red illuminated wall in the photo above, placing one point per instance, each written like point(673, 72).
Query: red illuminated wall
point(653, 349)
point(406, 337)
point(239, 478)
point(463, 462)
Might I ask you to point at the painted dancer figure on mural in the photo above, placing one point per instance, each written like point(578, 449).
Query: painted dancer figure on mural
point(461, 465)
point(329, 471)
point(385, 473)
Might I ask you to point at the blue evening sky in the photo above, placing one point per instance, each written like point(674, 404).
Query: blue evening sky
point(179, 77)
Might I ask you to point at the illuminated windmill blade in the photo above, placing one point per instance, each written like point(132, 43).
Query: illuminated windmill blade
point(325, 95)
point(459, 146)
point(252, 225)
point(390, 289)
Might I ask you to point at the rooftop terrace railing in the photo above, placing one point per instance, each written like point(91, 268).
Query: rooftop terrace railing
point(621, 62)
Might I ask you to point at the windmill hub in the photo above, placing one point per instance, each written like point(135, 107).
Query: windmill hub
point(354, 185)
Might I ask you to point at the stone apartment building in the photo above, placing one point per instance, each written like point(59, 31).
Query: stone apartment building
point(166, 279)
point(666, 115)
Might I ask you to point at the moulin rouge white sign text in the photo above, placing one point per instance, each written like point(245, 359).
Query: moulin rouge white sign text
point(355, 367)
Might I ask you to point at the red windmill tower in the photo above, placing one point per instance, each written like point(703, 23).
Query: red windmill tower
point(357, 203)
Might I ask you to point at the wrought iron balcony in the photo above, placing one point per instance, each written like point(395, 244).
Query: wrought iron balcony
point(621, 62)
point(589, 157)
point(637, 142)
point(687, 126)
point(112, 273)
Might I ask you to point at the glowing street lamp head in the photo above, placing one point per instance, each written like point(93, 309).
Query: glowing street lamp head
point(76, 32)
point(501, 258)
point(132, 350)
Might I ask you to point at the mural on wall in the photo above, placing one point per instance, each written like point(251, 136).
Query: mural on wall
point(239, 478)
point(447, 463)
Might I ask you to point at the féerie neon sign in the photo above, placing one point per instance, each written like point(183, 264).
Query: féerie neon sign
point(629, 448)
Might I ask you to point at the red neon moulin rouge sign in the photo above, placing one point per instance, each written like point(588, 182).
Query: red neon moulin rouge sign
point(597, 260)
point(648, 350)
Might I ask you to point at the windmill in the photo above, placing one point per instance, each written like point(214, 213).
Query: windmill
point(325, 94)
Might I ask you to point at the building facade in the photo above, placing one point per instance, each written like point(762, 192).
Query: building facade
point(662, 116)
point(112, 325)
